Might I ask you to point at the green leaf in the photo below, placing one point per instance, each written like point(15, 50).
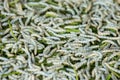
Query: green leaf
point(76, 75)
point(11, 30)
point(72, 30)
point(108, 77)
point(13, 2)
point(52, 2)
point(13, 72)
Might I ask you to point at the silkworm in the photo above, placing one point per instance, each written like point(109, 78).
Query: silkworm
point(113, 69)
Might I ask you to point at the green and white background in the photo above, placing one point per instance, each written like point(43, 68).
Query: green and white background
point(59, 40)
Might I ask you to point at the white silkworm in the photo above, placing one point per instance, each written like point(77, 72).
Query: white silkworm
point(7, 13)
point(113, 69)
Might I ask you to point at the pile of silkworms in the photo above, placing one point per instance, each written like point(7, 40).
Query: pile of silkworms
point(59, 40)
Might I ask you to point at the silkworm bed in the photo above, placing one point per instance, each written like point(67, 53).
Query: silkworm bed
point(59, 39)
